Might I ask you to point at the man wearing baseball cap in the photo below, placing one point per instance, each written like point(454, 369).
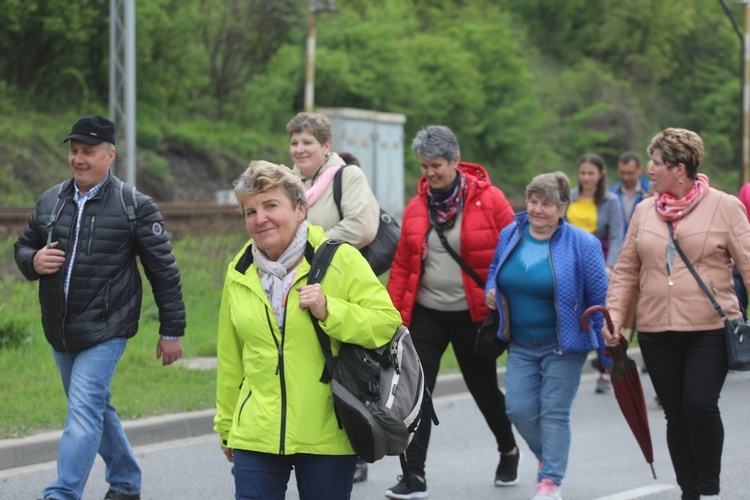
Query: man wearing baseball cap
point(81, 246)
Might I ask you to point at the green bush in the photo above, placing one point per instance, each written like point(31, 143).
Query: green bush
point(154, 165)
point(149, 134)
point(14, 330)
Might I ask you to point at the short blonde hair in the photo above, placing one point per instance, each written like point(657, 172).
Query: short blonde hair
point(261, 176)
point(679, 145)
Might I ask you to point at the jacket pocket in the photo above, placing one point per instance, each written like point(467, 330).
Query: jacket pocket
point(242, 407)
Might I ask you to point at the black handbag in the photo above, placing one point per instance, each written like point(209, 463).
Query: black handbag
point(487, 343)
point(737, 331)
point(380, 252)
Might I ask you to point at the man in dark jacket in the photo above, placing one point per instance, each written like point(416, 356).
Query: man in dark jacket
point(81, 246)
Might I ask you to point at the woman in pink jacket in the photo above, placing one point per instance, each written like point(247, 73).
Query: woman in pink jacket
point(456, 206)
point(680, 334)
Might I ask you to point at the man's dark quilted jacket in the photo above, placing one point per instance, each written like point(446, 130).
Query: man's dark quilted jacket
point(104, 299)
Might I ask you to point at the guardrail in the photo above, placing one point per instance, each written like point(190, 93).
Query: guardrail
point(181, 219)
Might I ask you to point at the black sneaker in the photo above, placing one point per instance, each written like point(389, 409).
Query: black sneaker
point(507, 470)
point(401, 491)
point(116, 495)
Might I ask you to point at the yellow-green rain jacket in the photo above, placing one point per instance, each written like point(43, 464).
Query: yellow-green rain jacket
point(269, 397)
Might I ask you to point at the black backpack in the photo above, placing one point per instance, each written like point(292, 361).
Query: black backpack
point(378, 393)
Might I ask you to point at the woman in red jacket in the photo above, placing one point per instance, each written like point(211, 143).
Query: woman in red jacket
point(457, 211)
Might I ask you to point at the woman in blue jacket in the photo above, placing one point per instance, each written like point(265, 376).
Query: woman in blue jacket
point(548, 272)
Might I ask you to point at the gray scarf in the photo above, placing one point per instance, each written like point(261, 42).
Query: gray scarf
point(272, 272)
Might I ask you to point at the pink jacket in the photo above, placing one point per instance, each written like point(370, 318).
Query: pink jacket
point(713, 235)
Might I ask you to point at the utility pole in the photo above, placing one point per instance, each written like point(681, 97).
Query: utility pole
point(745, 46)
point(745, 174)
point(312, 19)
point(122, 83)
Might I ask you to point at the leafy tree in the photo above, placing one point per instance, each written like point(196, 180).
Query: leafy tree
point(642, 36)
point(55, 50)
point(707, 94)
point(563, 31)
point(240, 36)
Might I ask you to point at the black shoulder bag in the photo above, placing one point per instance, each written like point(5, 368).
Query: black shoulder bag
point(487, 344)
point(737, 330)
point(379, 253)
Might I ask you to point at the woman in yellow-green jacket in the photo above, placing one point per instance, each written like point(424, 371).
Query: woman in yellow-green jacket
point(273, 413)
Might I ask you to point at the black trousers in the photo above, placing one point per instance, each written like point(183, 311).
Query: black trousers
point(432, 331)
point(688, 370)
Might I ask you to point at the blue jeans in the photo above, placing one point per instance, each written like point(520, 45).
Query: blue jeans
point(92, 425)
point(262, 476)
point(540, 385)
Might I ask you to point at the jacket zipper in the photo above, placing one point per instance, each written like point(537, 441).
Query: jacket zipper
point(282, 380)
point(554, 288)
point(91, 235)
point(64, 273)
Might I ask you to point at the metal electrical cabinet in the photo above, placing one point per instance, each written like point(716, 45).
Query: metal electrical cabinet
point(377, 140)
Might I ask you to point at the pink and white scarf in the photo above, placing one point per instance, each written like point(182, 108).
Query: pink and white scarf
point(321, 183)
point(668, 208)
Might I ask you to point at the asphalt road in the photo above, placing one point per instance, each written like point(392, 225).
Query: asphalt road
point(605, 461)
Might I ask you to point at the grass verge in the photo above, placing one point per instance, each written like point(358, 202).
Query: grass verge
point(31, 395)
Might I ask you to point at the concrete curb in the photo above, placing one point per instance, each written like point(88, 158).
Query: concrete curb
point(42, 447)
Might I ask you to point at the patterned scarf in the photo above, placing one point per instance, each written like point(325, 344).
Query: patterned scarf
point(669, 208)
point(272, 273)
point(444, 206)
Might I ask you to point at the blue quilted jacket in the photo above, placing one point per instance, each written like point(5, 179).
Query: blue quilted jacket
point(580, 282)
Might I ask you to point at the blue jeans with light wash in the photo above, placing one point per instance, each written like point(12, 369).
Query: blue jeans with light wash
point(92, 425)
point(540, 385)
point(263, 476)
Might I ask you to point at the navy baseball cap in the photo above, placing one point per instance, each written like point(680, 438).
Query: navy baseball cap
point(93, 129)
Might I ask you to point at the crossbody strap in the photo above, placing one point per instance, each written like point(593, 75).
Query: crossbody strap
point(690, 267)
point(461, 262)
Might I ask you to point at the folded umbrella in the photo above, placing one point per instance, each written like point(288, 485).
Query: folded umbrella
point(626, 382)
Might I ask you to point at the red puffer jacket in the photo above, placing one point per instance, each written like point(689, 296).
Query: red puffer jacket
point(486, 211)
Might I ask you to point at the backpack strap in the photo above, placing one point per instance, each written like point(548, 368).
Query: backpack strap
point(337, 189)
point(246, 260)
point(59, 204)
point(127, 198)
point(320, 262)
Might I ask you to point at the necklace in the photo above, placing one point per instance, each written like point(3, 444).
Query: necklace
point(670, 261)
